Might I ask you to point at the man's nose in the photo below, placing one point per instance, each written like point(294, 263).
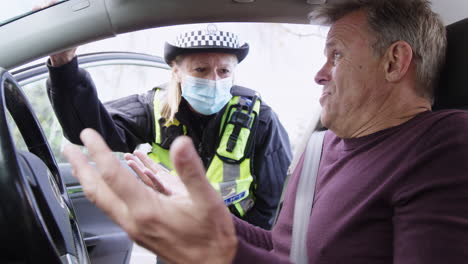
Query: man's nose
point(323, 75)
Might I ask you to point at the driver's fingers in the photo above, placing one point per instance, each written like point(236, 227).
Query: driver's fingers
point(192, 173)
point(135, 164)
point(119, 179)
point(154, 171)
point(145, 174)
point(148, 162)
point(139, 171)
point(94, 187)
point(158, 183)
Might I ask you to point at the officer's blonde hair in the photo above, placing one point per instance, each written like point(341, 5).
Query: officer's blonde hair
point(170, 106)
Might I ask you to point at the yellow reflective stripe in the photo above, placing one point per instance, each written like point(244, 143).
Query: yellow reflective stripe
point(234, 100)
point(230, 180)
point(239, 150)
point(215, 173)
point(161, 155)
point(244, 182)
point(174, 122)
point(239, 209)
point(157, 116)
point(235, 176)
point(227, 179)
point(245, 170)
point(158, 153)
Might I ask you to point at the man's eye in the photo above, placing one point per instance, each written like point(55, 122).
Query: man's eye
point(200, 69)
point(336, 57)
point(225, 71)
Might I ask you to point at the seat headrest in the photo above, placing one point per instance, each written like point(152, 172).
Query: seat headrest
point(452, 90)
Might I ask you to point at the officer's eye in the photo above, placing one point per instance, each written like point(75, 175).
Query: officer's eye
point(200, 69)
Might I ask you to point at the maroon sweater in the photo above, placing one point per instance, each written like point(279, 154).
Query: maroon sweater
point(396, 196)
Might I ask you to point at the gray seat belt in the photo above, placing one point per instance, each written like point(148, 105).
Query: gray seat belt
point(305, 197)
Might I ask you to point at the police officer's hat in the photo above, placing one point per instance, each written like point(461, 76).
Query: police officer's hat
point(209, 40)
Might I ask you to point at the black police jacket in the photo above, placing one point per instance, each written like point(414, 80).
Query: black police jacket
point(128, 122)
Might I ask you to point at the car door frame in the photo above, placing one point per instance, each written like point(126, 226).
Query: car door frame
point(106, 242)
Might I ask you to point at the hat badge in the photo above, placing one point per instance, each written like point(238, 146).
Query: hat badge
point(212, 29)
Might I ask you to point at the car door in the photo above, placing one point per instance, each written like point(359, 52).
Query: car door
point(113, 73)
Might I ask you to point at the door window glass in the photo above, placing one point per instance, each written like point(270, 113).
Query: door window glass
point(112, 82)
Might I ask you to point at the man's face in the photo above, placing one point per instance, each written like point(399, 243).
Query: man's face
point(352, 78)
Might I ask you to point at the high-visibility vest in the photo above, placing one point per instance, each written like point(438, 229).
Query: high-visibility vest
point(230, 171)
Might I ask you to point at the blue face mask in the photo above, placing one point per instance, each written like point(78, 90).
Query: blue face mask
point(206, 96)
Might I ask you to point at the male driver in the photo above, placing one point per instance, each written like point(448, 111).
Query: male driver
point(392, 185)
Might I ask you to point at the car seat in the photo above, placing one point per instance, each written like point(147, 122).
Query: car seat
point(452, 89)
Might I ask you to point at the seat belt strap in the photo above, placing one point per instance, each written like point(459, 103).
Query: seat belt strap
point(305, 197)
point(314, 125)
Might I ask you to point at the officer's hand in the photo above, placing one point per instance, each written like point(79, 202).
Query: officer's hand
point(196, 228)
point(63, 57)
point(154, 175)
point(44, 5)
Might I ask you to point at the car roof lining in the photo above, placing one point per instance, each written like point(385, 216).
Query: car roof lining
point(107, 18)
point(76, 22)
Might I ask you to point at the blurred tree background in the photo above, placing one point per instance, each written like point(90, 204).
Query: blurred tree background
point(36, 93)
point(283, 76)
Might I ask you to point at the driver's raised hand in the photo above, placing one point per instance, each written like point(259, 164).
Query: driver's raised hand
point(195, 228)
point(154, 175)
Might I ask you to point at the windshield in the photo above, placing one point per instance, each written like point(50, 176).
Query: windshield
point(281, 64)
point(20, 8)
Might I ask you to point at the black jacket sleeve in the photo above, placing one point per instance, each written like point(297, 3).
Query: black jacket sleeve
point(272, 157)
point(124, 123)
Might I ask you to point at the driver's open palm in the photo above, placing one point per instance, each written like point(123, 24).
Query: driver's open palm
point(194, 228)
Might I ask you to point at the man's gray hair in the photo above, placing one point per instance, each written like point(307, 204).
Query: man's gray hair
point(412, 21)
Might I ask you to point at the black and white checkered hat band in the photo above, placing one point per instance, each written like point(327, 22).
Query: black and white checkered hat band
point(200, 38)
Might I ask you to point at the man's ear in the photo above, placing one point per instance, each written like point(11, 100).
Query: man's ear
point(398, 59)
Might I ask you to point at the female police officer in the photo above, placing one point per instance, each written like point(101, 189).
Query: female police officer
point(239, 138)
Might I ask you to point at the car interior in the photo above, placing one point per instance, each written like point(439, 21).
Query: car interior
point(452, 91)
point(45, 216)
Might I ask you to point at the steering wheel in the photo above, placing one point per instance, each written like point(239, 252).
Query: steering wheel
point(37, 219)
